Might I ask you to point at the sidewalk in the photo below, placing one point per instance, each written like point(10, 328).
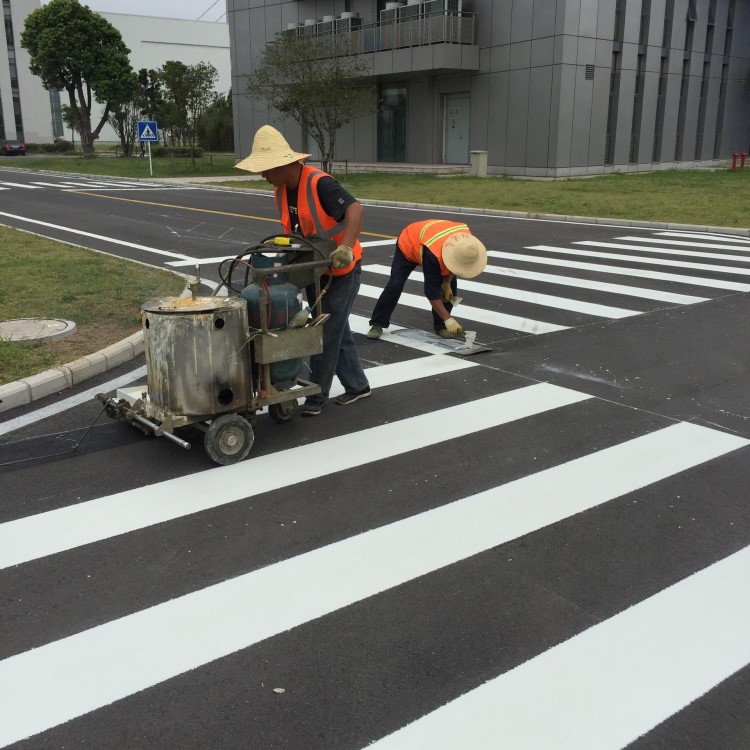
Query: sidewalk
point(46, 383)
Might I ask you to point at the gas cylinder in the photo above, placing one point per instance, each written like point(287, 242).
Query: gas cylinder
point(282, 304)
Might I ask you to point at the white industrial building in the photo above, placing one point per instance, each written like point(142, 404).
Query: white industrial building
point(30, 113)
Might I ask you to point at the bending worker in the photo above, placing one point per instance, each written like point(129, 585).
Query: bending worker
point(445, 250)
point(312, 203)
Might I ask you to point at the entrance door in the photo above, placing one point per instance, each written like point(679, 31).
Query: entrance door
point(456, 128)
point(392, 123)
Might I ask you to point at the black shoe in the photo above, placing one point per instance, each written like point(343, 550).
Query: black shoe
point(311, 408)
point(350, 398)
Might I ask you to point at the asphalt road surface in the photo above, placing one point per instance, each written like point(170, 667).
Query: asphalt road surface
point(543, 546)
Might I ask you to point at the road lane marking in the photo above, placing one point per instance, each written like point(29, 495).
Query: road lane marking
point(81, 233)
point(642, 273)
point(21, 185)
point(639, 259)
point(600, 286)
point(521, 295)
point(74, 675)
point(682, 253)
point(84, 523)
point(611, 684)
point(476, 314)
point(709, 245)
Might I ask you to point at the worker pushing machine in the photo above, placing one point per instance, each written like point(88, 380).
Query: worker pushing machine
point(313, 204)
point(445, 250)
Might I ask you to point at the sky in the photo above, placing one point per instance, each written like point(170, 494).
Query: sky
point(193, 10)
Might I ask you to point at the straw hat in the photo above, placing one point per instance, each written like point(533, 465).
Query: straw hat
point(270, 150)
point(464, 255)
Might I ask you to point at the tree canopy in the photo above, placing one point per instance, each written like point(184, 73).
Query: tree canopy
point(316, 82)
point(79, 51)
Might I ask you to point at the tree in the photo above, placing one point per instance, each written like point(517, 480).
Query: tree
point(316, 82)
point(188, 91)
point(144, 102)
point(215, 128)
point(79, 51)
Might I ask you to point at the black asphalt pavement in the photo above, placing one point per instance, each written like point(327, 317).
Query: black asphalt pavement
point(540, 546)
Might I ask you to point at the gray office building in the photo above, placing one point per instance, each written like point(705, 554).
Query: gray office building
point(546, 88)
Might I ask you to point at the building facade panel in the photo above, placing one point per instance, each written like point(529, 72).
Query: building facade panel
point(605, 85)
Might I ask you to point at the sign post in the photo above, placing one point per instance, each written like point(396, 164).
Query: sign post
point(148, 132)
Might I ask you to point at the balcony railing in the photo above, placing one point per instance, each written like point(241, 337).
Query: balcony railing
point(432, 28)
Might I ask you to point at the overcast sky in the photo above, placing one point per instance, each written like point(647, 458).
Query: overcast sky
point(206, 10)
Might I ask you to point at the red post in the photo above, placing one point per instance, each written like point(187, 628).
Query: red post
point(742, 163)
point(734, 161)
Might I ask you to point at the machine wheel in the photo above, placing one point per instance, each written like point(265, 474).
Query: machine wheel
point(284, 411)
point(228, 439)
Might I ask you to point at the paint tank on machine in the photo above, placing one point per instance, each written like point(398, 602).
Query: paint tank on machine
point(276, 300)
point(197, 354)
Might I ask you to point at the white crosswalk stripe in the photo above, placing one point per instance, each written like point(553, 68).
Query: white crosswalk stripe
point(599, 683)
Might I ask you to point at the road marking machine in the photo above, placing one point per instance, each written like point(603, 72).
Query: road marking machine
point(215, 362)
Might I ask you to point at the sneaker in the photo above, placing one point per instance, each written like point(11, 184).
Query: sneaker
point(350, 398)
point(311, 408)
point(375, 332)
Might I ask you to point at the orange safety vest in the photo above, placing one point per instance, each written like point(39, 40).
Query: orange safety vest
point(431, 233)
point(313, 220)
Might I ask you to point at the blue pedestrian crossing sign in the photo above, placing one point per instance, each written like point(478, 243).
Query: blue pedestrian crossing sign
point(147, 131)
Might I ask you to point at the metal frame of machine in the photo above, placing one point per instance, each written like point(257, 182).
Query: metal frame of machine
point(208, 367)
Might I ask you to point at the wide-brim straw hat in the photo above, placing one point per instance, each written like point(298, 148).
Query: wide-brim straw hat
point(270, 150)
point(464, 255)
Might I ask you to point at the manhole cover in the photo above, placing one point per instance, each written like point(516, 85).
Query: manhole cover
point(34, 330)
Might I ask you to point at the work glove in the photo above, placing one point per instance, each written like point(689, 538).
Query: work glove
point(447, 290)
point(453, 327)
point(342, 256)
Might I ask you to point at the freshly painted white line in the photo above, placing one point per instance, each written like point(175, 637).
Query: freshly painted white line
point(501, 320)
point(666, 251)
point(55, 531)
point(133, 245)
point(21, 185)
point(611, 684)
point(709, 245)
point(69, 403)
point(47, 184)
point(359, 324)
point(601, 286)
point(620, 270)
point(59, 681)
point(521, 295)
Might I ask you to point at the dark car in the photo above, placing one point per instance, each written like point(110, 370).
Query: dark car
point(13, 148)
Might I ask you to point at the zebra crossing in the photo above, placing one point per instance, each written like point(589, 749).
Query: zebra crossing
point(89, 184)
point(490, 562)
point(543, 289)
point(585, 690)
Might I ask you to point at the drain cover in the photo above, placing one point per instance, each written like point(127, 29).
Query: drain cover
point(35, 330)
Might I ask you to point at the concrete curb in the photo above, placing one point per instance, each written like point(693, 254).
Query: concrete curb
point(46, 383)
point(52, 381)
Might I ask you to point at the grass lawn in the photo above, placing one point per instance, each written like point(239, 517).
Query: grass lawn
point(101, 294)
point(707, 198)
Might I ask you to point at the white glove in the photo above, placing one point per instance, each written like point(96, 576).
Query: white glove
point(342, 256)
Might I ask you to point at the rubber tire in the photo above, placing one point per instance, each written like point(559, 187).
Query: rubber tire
point(228, 439)
point(284, 411)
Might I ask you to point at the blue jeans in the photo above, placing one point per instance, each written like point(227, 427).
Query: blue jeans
point(339, 356)
point(401, 267)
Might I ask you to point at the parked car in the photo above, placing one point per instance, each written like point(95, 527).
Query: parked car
point(13, 148)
